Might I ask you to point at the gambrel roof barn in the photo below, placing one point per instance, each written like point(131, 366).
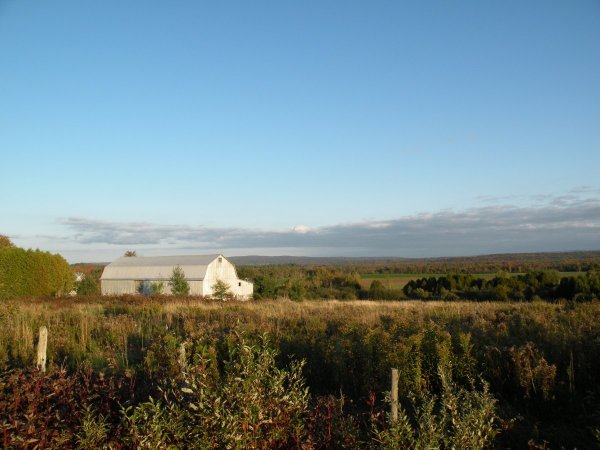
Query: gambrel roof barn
point(130, 275)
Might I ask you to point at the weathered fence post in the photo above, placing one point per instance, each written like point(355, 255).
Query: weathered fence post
point(41, 350)
point(394, 394)
point(182, 359)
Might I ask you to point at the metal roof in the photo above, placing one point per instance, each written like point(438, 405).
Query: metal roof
point(157, 267)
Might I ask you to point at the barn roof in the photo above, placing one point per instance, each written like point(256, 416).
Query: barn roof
point(157, 267)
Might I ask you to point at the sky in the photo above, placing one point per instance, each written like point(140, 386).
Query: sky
point(338, 128)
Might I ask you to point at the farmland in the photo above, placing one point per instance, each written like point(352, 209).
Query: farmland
point(400, 280)
point(528, 369)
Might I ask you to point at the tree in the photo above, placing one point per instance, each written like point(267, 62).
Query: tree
point(5, 242)
point(130, 253)
point(145, 287)
point(221, 290)
point(87, 286)
point(33, 273)
point(177, 282)
point(157, 287)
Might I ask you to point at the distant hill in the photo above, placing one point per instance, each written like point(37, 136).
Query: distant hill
point(258, 260)
point(579, 256)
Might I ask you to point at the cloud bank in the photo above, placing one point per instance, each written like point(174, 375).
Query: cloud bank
point(561, 223)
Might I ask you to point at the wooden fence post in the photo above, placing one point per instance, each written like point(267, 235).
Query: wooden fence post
point(394, 394)
point(41, 350)
point(182, 359)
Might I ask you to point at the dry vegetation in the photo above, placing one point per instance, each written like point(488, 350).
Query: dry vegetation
point(529, 372)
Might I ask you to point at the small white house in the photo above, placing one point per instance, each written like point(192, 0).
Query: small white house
point(130, 274)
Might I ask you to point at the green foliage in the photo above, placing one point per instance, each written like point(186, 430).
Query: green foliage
point(547, 285)
point(87, 286)
point(33, 273)
point(157, 288)
point(94, 430)
point(503, 279)
point(457, 417)
point(297, 283)
point(446, 409)
point(253, 405)
point(297, 290)
point(130, 253)
point(178, 283)
point(221, 290)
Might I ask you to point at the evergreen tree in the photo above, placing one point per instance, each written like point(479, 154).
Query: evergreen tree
point(221, 290)
point(177, 282)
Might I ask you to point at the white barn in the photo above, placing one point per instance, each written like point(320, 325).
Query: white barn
point(127, 275)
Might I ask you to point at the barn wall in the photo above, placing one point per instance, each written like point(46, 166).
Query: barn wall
point(243, 289)
point(118, 287)
point(195, 287)
point(225, 271)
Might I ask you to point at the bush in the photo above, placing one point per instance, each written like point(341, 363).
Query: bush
point(253, 405)
point(87, 286)
point(457, 417)
point(33, 273)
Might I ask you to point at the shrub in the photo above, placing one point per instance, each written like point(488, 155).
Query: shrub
point(157, 287)
point(457, 417)
point(221, 290)
point(252, 405)
point(57, 409)
point(87, 286)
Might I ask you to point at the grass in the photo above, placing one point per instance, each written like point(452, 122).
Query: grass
point(399, 280)
point(348, 346)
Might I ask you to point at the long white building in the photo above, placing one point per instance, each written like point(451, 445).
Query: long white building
point(130, 275)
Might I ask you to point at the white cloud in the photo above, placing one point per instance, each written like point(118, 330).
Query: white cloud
point(301, 229)
point(562, 223)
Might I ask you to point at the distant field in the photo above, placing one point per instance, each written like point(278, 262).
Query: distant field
point(399, 280)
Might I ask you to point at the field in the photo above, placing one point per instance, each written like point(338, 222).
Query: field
point(399, 280)
point(393, 280)
point(529, 369)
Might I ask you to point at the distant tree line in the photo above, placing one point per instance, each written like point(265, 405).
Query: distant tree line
point(329, 282)
point(470, 266)
point(547, 285)
point(32, 272)
point(301, 282)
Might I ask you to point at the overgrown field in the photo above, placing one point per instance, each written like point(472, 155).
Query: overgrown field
point(139, 372)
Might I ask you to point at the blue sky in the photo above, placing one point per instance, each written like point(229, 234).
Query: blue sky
point(449, 128)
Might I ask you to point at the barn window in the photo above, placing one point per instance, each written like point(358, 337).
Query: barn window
point(240, 283)
point(220, 259)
